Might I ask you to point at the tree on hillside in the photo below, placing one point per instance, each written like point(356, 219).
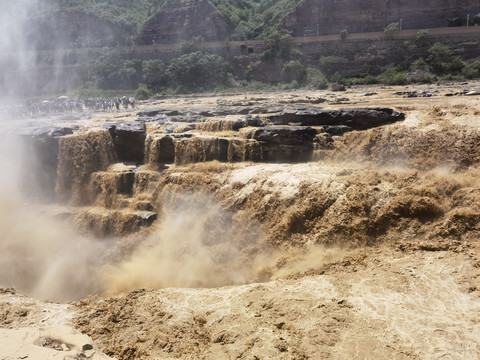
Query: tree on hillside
point(294, 71)
point(279, 45)
point(441, 60)
point(154, 74)
point(391, 29)
point(198, 70)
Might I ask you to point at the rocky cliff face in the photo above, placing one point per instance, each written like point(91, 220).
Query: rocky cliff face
point(66, 29)
point(183, 19)
point(314, 17)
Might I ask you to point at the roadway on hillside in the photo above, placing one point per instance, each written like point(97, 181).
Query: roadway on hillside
point(404, 34)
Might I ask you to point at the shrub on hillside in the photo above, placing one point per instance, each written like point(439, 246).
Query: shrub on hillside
point(154, 74)
point(442, 61)
point(421, 38)
point(391, 29)
point(142, 93)
point(316, 79)
point(197, 71)
point(393, 76)
point(279, 45)
point(472, 71)
point(328, 64)
point(294, 70)
point(111, 71)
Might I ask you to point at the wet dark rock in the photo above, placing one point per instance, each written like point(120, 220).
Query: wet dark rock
point(265, 110)
point(129, 140)
point(39, 148)
point(417, 93)
point(337, 129)
point(149, 113)
point(53, 132)
point(182, 136)
point(225, 110)
point(286, 135)
point(255, 121)
point(338, 87)
point(356, 118)
point(368, 118)
point(163, 115)
point(340, 100)
point(297, 115)
point(172, 112)
point(145, 218)
point(190, 118)
point(239, 124)
point(243, 110)
point(207, 113)
point(285, 143)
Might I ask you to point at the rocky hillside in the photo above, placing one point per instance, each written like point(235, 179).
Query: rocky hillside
point(108, 23)
point(183, 19)
point(314, 17)
point(75, 29)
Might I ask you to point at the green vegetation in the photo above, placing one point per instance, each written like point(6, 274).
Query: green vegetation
point(391, 29)
point(294, 70)
point(442, 61)
point(421, 38)
point(142, 93)
point(316, 79)
point(328, 64)
point(248, 19)
point(439, 64)
point(279, 45)
point(195, 71)
point(125, 13)
point(198, 71)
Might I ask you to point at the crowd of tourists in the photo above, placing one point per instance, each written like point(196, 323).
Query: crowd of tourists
point(64, 104)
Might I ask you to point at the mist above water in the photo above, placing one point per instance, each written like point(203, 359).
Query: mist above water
point(40, 256)
point(192, 246)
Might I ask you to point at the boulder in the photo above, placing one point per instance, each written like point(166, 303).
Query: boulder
point(337, 129)
point(338, 87)
point(285, 135)
point(368, 118)
point(145, 219)
point(239, 124)
point(356, 119)
point(255, 121)
point(129, 140)
point(285, 143)
point(39, 155)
